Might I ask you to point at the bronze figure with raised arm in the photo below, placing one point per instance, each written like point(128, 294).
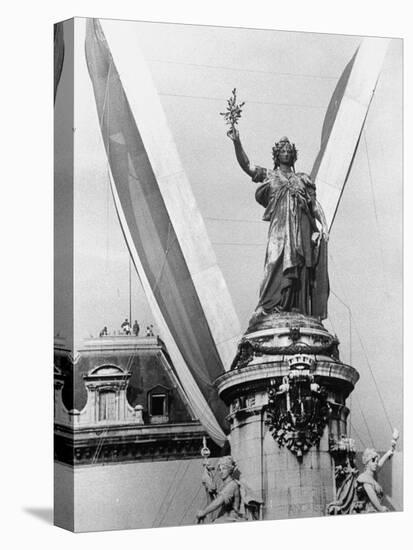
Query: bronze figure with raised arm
point(295, 274)
point(369, 491)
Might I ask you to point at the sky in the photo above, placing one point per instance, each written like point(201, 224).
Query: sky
point(286, 80)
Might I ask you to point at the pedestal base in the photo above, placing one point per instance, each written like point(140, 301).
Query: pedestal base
point(286, 392)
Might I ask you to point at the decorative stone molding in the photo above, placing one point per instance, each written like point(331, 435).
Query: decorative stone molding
point(301, 361)
point(256, 377)
point(286, 334)
point(106, 400)
point(341, 447)
point(60, 411)
point(124, 444)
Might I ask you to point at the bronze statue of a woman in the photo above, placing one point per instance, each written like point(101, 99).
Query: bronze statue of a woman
point(369, 492)
point(295, 274)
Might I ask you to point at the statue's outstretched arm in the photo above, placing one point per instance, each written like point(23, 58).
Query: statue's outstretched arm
point(214, 505)
point(385, 457)
point(390, 452)
point(242, 158)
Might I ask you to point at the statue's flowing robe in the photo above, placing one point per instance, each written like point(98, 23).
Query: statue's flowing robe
point(230, 509)
point(364, 504)
point(295, 274)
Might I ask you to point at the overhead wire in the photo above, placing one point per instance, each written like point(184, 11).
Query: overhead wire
point(240, 220)
point(361, 410)
point(357, 434)
point(382, 270)
point(243, 69)
point(364, 419)
point(180, 467)
point(350, 325)
point(191, 503)
point(237, 244)
point(171, 499)
point(374, 378)
point(375, 212)
point(252, 101)
point(369, 367)
point(350, 349)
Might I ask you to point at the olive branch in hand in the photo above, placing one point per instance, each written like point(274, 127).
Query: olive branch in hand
point(233, 112)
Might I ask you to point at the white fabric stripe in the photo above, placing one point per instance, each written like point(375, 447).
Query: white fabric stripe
point(175, 187)
point(191, 389)
point(335, 164)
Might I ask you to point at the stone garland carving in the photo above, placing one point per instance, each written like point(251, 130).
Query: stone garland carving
point(297, 412)
point(248, 349)
point(293, 349)
point(244, 355)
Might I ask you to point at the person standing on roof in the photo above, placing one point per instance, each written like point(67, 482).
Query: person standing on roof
point(125, 326)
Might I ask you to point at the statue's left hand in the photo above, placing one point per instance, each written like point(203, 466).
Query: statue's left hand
point(315, 238)
point(324, 234)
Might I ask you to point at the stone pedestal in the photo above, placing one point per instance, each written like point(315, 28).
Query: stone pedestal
point(287, 391)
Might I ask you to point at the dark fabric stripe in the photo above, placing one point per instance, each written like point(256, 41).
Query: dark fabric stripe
point(59, 54)
point(331, 114)
point(149, 224)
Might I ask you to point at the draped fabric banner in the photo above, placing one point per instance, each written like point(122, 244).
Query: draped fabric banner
point(331, 114)
point(59, 54)
point(163, 230)
point(344, 122)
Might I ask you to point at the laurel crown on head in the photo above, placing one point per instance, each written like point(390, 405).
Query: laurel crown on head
point(277, 148)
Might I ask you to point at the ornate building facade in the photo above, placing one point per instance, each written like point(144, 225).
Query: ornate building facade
point(120, 400)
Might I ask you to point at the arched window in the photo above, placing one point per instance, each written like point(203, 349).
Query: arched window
point(106, 387)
